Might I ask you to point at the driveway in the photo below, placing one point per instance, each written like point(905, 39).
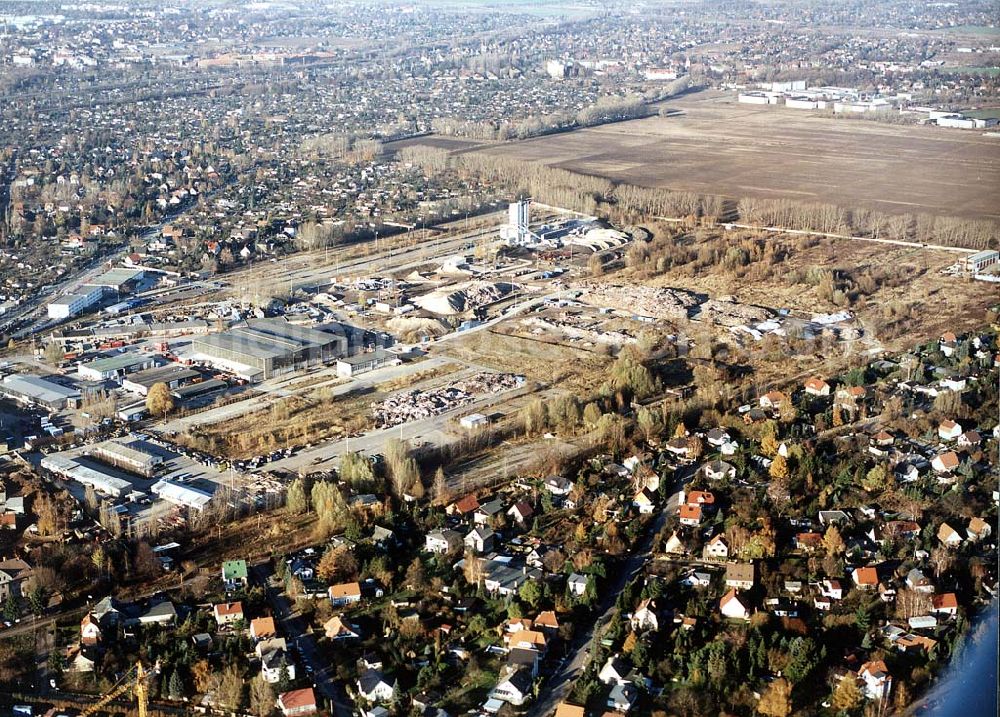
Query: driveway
point(558, 687)
point(294, 630)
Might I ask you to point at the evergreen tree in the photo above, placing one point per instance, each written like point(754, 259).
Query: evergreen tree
point(175, 687)
point(12, 608)
point(284, 677)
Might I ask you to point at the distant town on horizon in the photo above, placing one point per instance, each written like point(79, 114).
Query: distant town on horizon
point(506, 358)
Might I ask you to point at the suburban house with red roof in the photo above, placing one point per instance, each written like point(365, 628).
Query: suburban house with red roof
point(816, 386)
point(297, 702)
point(227, 613)
point(865, 578)
point(944, 604)
point(733, 606)
point(949, 430)
point(877, 680)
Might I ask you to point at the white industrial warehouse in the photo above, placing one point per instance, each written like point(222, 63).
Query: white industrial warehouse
point(129, 454)
point(72, 469)
point(182, 495)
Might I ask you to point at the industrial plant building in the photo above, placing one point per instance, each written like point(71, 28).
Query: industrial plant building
point(72, 304)
point(130, 454)
point(172, 375)
point(37, 391)
point(115, 367)
point(262, 348)
point(73, 469)
point(121, 280)
point(981, 260)
point(364, 362)
point(517, 229)
point(112, 282)
point(182, 495)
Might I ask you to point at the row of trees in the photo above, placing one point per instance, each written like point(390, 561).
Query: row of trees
point(829, 218)
point(587, 194)
point(609, 108)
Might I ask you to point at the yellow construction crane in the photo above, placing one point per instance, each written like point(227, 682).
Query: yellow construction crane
point(135, 680)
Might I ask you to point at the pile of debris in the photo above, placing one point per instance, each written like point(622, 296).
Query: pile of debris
point(467, 297)
point(726, 311)
point(415, 405)
point(641, 300)
point(412, 329)
point(675, 304)
point(578, 328)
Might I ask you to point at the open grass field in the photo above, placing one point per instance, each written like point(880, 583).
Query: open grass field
point(559, 366)
point(717, 146)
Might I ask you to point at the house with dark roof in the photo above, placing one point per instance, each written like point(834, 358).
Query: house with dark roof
point(515, 688)
point(577, 584)
point(160, 613)
point(505, 577)
point(375, 686)
point(488, 511)
point(480, 539)
point(15, 575)
point(615, 671)
point(623, 697)
point(273, 663)
point(442, 541)
point(521, 512)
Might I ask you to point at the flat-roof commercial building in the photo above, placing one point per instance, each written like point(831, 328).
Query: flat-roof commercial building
point(132, 412)
point(758, 98)
point(127, 453)
point(112, 367)
point(72, 304)
point(183, 495)
point(199, 389)
point(172, 375)
point(37, 391)
point(73, 469)
point(361, 363)
point(263, 348)
point(120, 280)
point(975, 263)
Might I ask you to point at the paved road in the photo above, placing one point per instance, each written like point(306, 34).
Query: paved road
point(27, 624)
point(558, 687)
point(431, 430)
point(319, 267)
point(295, 631)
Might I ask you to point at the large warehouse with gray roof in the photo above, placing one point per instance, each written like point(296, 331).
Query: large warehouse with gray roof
point(262, 348)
